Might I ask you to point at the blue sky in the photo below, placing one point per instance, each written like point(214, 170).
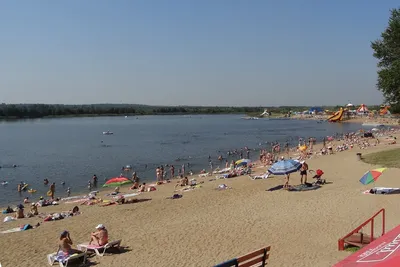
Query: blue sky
point(186, 52)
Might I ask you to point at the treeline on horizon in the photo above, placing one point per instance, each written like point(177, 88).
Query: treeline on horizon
point(21, 111)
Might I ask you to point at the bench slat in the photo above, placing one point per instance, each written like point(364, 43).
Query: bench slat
point(252, 262)
point(251, 255)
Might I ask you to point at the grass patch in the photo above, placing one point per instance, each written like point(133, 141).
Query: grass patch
point(351, 248)
point(388, 158)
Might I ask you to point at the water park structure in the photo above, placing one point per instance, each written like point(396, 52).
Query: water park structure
point(337, 116)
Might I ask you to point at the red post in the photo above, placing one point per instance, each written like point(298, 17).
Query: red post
point(372, 229)
point(383, 221)
point(341, 244)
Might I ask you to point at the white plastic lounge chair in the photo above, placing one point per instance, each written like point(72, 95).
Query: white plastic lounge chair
point(53, 258)
point(86, 247)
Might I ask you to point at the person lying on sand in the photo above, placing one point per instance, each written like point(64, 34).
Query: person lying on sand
point(142, 187)
point(100, 237)
point(90, 202)
point(121, 200)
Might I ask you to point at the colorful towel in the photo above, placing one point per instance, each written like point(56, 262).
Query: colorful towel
point(13, 230)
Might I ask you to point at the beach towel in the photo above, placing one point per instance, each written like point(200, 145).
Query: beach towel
point(175, 196)
point(13, 230)
point(303, 187)
point(128, 195)
point(222, 171)
point(383, 191)
point(75, 201)
point(223, 187)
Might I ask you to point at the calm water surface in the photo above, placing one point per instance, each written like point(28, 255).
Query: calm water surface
point(71, 149)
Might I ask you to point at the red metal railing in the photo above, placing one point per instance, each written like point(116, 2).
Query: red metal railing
point(341, 241)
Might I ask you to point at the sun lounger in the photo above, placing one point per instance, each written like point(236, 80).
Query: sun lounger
point(86, 247)
point(63, 261)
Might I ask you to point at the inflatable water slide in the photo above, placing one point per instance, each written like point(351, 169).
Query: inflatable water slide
point(338, 116)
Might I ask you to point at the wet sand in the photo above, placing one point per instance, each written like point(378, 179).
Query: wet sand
point(207, 226)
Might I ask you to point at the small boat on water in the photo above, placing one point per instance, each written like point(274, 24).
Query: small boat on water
point(108, 133)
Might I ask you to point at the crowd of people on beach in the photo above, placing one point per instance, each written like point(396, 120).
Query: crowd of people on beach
point(235, 163)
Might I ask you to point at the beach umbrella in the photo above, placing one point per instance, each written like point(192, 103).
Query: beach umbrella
point(117, 181)
point(243, 162)
point(285, 167)
point(371, 176)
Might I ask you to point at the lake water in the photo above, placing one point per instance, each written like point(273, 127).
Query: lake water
point(71, 149)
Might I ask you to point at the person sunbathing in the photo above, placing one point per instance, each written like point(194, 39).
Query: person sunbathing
point(142, 187)
point(34, 210)
point(182, 182)
point(65, 244)
point(100, 237)
point(19, 214)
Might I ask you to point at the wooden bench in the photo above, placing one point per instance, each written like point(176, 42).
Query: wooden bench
point(256, 258)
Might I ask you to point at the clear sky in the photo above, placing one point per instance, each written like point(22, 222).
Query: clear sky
point(186, 52)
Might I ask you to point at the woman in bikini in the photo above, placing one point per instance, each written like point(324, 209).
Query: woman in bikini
point(65, 244)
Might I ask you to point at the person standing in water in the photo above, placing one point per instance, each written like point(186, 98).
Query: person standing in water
point(183, 169)
point(94, 178)
point(162, 173)
point(52, 190)
point(172, 170)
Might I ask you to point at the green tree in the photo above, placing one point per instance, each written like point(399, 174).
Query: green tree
point(387, 51)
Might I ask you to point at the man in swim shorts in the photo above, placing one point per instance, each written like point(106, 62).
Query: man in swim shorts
point(303, 172)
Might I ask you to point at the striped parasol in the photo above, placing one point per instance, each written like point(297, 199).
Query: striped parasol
point(283, 167)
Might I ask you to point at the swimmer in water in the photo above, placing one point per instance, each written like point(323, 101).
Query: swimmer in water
point(45, 181)
point(14, 166)
point(62, 183)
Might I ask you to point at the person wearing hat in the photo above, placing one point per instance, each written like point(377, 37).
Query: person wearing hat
point(100, 237)
point(303, 172)
point(65, 244)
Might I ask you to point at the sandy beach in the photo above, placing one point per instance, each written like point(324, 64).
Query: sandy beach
point(207, 226)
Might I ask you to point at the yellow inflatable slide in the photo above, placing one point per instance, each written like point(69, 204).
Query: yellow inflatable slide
point(338, 116)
